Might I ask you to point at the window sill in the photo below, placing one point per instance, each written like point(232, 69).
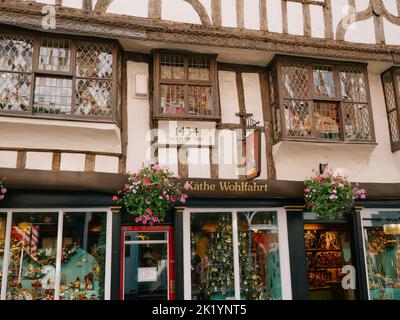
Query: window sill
point(182, 117)
point(331, 142)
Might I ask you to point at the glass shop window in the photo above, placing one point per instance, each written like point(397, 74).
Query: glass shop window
point(33, 254)
point(382, 253)
point(213, 261)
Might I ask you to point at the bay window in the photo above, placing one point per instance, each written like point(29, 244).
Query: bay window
point(391, 88)
point(57, 77)
point(316, 100)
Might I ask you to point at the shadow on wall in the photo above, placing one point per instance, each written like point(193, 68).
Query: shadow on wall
point(296, 160)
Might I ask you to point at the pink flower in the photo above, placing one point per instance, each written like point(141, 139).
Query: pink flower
point(187, 186)
point(155, 219)
point(333, 197)
point(146, 217)
point(155, 167)
point(183, 200)
point(150, 223)
point(307, 189)
point(115, 198)
point(2, 197)
point(139, 218)
point(3, 190)
point(363, 196)
point(149, 211)
point(166, 180)
point(127, 186)
point(172, 198)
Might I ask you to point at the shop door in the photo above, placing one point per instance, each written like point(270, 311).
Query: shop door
point(147, 265)
point(328, 250)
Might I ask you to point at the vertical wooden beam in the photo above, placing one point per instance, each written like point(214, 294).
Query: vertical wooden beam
point(240, 13)
point(263, 15)
point(56, 161)
point(155, 9)
point(328, 20)
point(378, 26)
point(284, 17)
point(398, 8)
point(124, 116)
point(242, 109)
point(90, 162)
point(268, 125)
point(183, 167)
point(21, 159)
point(58, 3)
point(216, 12)
point(214, 167)
point(87, 5)
point(306, 20)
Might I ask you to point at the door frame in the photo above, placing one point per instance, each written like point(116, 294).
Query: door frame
point(170, 248)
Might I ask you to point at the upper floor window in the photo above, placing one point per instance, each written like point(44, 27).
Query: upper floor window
point(185, 85)
point(51, 76)
point(391, 88)
point(319, 100)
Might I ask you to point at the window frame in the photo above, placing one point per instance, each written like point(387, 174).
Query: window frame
point(36, 38)
point(313, 98)
point(60, 211)
point(158, 82)
point(393, 72)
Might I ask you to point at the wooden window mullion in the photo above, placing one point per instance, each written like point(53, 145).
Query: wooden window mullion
point(311, 95)
point(281, 100)
point(396, 89)
point(338, 89)
point(369, 103)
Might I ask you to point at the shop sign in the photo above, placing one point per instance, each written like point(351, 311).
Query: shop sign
point(227, 186)
point(147, 274)
point(194, 133)
point(253, 154)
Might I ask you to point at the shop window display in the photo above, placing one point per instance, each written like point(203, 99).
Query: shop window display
point(213, 244)
point(3, 220)
point(83, 257)
point(33, 252)
point(382, 253)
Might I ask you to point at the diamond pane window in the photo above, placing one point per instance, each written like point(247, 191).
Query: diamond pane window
point(172, 67)
point(200, 101)
point(327, 123)
point(356, 121)
point(352, 83)
point(55, 55)
point(16, 53)
point(199, 68)
point(391, 89)
point(94, 60)
point(295, 81)
point(93, 97)
point(297, 118)
point(324, 85)
point(173, 100)
point(53, 95)
point(15, 89)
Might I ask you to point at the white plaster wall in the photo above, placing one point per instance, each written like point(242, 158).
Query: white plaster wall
point(139, 135)
point(59, 135)
point(362, 5)
point(77, 4)
point(180, 11)
point(362, 163)
point(228, 97)
point(39, 160)
point(252, 15)
point(228, 13)
point(199, 163)
point(274, 15)
point(391, 6)
point(392, 33)
point(72, 162)
point(106, 164)
point(227, 154)
point(252, 95)
point(52, 2)
point(339, 10)
point(169, 157)
point(131, 8)
point(8, 159)
point(295, 18)
point(361, 32)
point(317, 21)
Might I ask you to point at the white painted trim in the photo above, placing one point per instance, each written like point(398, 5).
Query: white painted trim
point(66, 210)
point(6, 257)
point(107, 271)
point(187, 281)
point(235, 244)
point(147, 241)
point(57, 280)
point(365, 251)
point(284, 255)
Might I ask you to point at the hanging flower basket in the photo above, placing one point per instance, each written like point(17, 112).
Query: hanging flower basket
point(330, 196)
point(3, 189)
point(150, 193)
